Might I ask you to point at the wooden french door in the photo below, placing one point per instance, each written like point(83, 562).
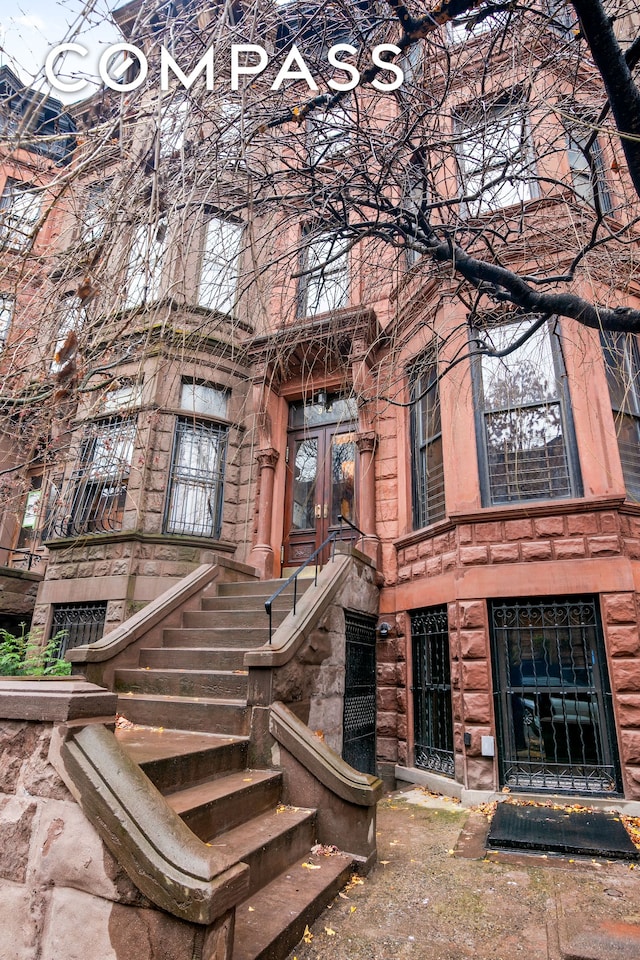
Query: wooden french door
point(321, 486)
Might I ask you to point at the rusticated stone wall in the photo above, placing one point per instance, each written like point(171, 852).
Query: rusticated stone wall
point(573, 536)
point(62, 894)
point(622, 637)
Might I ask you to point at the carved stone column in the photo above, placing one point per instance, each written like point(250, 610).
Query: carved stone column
point(262, 553)
point(366, 444)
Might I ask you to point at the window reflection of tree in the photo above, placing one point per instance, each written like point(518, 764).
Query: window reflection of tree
point(342, 477)
point(306, 463)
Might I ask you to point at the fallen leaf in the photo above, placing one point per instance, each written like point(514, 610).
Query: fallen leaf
point(307, 936)
point(329, 932)
point(311, 866)
point(384, 861)
point(252, 909)
point(353, 909)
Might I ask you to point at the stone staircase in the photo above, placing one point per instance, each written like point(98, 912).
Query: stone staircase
point(188, 701)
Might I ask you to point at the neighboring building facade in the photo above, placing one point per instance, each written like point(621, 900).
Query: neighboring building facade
point(232, 404)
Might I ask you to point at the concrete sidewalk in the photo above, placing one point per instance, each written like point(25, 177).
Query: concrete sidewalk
point(435, 895)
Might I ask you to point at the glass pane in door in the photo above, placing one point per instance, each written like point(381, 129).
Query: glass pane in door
point(305, 472)
point(343, 468)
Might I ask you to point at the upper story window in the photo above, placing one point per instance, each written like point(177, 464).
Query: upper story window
point(494, 156)
point(20, 206)
point(124, 394)
point(94, 219)
point(415, 203)
point(622, 362)
point(587, 167)
point(66, 343)
point(219, 270)
point(525, 436)
point(427, 471)
point(7, 306)
point(468, 28)
point(144, 277)
point(325, 283)
point(328, 133)
point(174, 120)
point(562, 17)
point(204, 398)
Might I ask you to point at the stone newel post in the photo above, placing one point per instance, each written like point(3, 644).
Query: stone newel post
point(366, 444)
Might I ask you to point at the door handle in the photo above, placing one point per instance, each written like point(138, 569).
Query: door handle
point(326, 511)
point(318, 511)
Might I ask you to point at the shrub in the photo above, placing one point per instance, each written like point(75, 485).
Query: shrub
point(24, 655)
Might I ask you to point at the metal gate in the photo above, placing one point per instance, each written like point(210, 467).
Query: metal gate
point(552, 696)
point(359, 720)
point(433, 720)
point(80, 623)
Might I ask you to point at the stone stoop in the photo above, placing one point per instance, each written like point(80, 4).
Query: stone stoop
point(188, 703)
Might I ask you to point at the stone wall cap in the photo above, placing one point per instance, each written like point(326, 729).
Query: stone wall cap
point(53, 699)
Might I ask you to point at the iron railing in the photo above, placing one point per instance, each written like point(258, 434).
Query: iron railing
point(314, 558)
point(28, 558)
point(78, 623)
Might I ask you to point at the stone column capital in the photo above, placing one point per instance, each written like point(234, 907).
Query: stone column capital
point(366, 442)
point(267, 457)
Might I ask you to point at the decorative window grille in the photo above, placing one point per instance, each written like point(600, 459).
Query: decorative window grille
point(494, 156)
point(143, 281)
point(432, 709)
point(194, 503)
point(325, 284)
point(622, 361)
point(7, 306)
point(219, 271)
point(80, 622)
point(526, 445)
point(553, 696)
point(426, 443)
point(20, 207)
point(94, 498)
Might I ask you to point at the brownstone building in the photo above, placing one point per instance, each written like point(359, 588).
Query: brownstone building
point(236, 406)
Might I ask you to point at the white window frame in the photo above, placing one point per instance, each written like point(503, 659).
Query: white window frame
point(20, 206)
point(218, 282)
point(173, 126)
point(328, 133)
point(145, 267)
point(495, 157)
point(7, 309)
point(325, 284)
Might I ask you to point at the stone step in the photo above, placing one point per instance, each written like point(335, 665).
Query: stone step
point(265, 588)
point(268, 843)
point(199, 714)
point(205, 619)
point(213, 637)
point(192, 658)
point(271, 922)
point(225, 684)
point(220, 805)
point(231, 614)
point(173, 759)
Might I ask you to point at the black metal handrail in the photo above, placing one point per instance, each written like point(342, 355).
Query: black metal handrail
point(268, 605)
point(30, 557)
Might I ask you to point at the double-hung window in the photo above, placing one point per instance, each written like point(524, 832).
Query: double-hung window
point(7, 306)
point(470, 27)
point(145, 267)
point(95, 497)
point(20, 206)
point(325, 279)
point(66, 342)
point(196, 481)
point(494, 156)
point(219, 270)
point(328, 133)
point(94, 220)
point(587, 167)
point(174, 120)
point(426, 442)
point(622, 361)
point(415, 205)
point(526, 444)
